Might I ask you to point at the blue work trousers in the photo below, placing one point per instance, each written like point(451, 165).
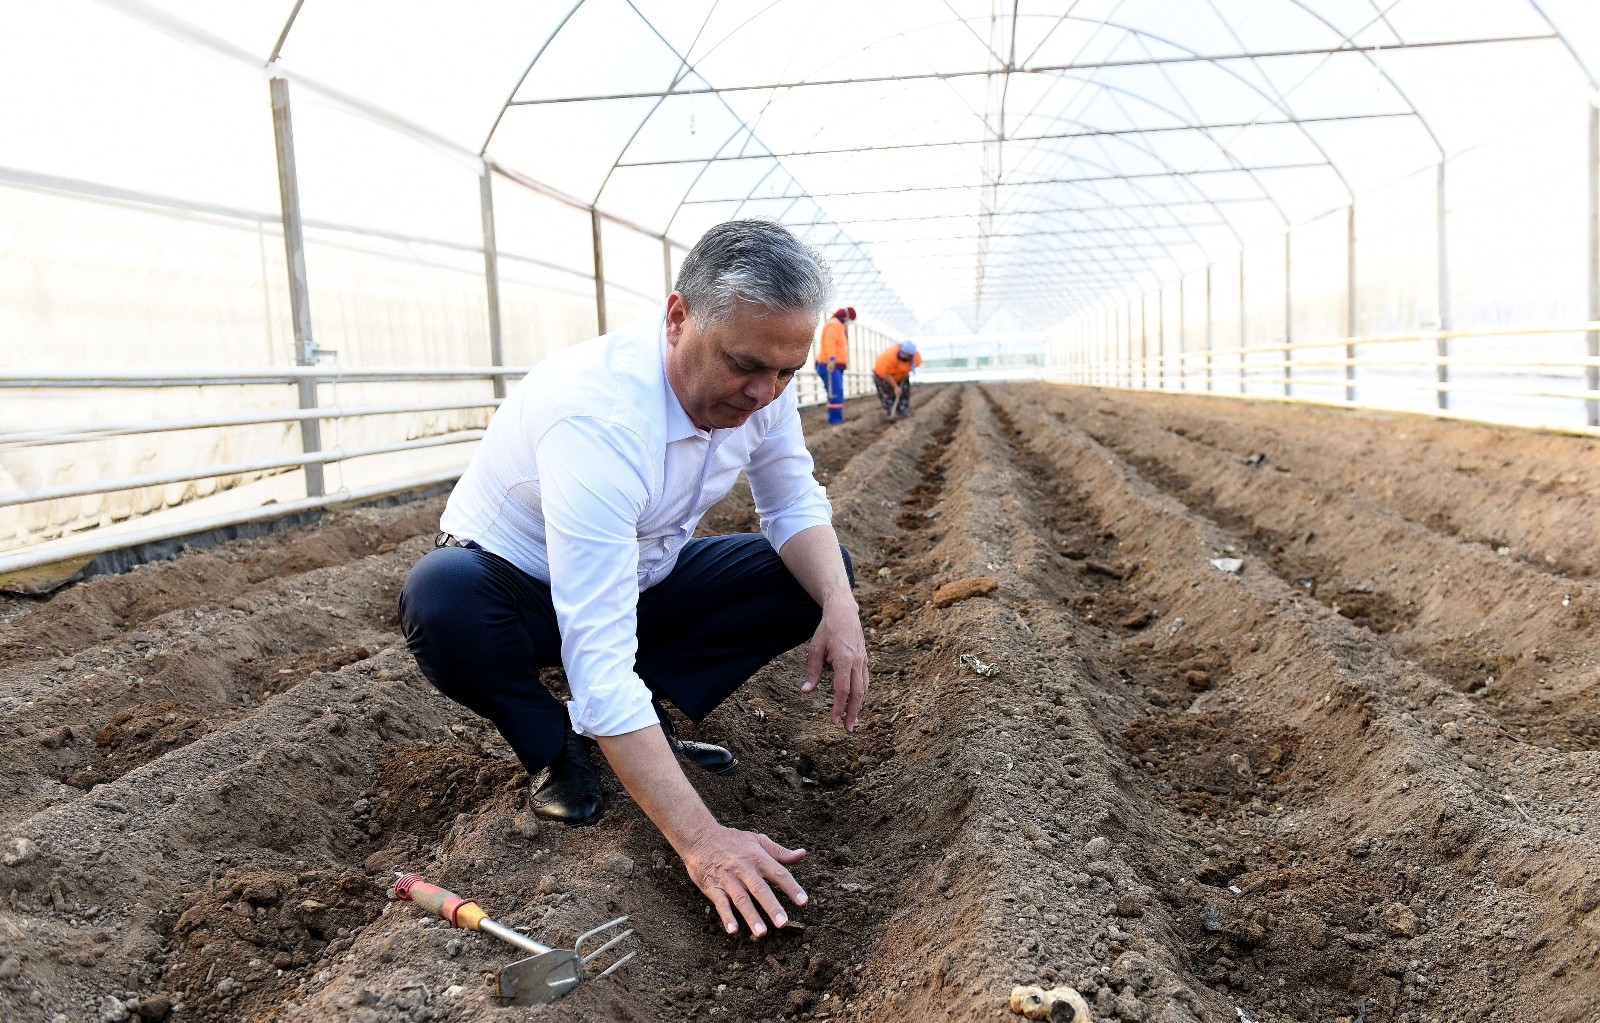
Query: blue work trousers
point(481, 628)
point(833, 383)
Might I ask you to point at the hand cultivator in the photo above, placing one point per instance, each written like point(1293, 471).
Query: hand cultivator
point(547, 974)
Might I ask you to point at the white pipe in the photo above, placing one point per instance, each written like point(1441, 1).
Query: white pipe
point(231, 375)
point(68, 434)
point(88, 546)
point(235, 468)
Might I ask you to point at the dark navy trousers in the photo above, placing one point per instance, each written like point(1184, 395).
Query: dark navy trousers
point(481, 628)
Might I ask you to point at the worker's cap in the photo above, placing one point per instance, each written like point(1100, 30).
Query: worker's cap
point(850, 311)
point(907, 350)
point(841, 314)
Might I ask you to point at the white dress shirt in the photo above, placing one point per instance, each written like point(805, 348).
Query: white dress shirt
point(592, 477)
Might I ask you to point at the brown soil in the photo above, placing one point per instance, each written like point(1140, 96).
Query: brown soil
point(1353, 781)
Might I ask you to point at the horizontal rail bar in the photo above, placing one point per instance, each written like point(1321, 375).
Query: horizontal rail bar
point(1279, 399)
point(227, 376)
point(68, 434)
point(89, 545)
point(158, 479)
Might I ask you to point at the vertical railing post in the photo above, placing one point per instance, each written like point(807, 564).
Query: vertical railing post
point(1244, 320)
point(1161, 334)
point(1446, 321)
point(1288, 311)
point(1183, 345)
point(1351, 309)
point(666, 265)
point(599, 273)
point(305, 349)
point(491, 275)
point(1144, 343)
point(1209, 336)
point(1591, 373)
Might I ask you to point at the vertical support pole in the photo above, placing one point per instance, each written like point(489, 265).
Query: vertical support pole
point(1209, 334)
point(305, 349)
point(1144, 343)
point(1351, 309)
point(491, 275)
point(666, 265)
point(1161, 334)
point(1591, 374)
point(1244, 321)
point(1183, 346)
point(1288, 310)
point(1446, 320)
point(599, 273)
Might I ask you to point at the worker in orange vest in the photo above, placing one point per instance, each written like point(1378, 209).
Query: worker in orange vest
point(892, 374)
point(833, 354)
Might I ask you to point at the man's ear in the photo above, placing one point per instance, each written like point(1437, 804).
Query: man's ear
point(677, 315)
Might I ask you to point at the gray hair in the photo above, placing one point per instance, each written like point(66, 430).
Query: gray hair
point(756, 261)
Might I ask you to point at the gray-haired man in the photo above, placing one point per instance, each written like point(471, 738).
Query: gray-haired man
point(568, 541)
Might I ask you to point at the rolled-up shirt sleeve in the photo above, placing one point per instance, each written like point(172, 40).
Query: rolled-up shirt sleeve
point(593, 496)
point(787, 495)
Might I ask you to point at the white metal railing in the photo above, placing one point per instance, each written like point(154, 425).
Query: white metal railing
point(1218, 370)
point(86, 545)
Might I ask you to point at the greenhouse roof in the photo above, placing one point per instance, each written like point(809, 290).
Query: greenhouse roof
point(972, 166)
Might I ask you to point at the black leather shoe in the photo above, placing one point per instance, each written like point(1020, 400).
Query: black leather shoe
point(568, 790)
point(715, 759)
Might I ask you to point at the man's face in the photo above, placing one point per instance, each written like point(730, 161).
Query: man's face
point(724, 372)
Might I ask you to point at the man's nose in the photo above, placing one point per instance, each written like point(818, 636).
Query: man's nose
point(762, 389)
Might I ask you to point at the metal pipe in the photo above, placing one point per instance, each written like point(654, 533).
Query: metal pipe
point(1350, 304)
point(74, 434)
point(1209, 323)
point(305, 349)
point(52, 378)
point(1288, 310)
point(491, 274)
point(1244, 319)
point(599, 273)
point(1442, 343)
point(666, 266)
point(159, 479)
point(84, 546)
point(1592, 374)
point(1183, 343)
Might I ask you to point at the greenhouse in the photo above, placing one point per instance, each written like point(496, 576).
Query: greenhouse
point(1226, 563)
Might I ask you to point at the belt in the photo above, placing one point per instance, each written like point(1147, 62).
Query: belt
point(443, 539)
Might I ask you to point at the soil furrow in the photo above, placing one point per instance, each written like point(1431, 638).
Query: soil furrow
point(1407, 821)
point(1530, 494)
point(1516, 637)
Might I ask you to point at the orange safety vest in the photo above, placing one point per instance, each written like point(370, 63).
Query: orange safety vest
point(835, 343)
point(891, 367)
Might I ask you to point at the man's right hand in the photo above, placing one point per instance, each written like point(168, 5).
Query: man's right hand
point(738, 870)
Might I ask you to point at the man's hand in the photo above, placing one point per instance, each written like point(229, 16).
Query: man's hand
point(737, 870)
point(838, 642)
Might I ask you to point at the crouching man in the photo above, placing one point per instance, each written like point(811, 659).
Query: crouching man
point(569, 541)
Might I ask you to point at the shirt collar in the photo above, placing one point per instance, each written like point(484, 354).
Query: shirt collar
point(679, 425)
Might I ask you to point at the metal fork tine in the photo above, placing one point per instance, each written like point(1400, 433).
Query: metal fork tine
point(614, 965)
point(577, 946)
point(625, 934)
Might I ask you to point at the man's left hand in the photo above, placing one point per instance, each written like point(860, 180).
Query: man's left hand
point(838, 642)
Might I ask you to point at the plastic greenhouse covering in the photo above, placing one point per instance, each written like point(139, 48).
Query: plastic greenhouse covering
point(1109, 178)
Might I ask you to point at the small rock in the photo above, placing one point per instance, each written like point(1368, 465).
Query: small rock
point(1097, 847)
point(1198, 681)
point(454, 991)
point(9, 968)
point(1129, 905)
point(56, 738)
point(452, 948)
point(789, 776)
point(524, 824)
point(19, 851)
point(1398, 919)
point(112, 1010)
point(619, 864)
point(1129, 1009)
point(964, 589)
point(1229, 565)
point(1450, 730)
point(1058, 1004)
